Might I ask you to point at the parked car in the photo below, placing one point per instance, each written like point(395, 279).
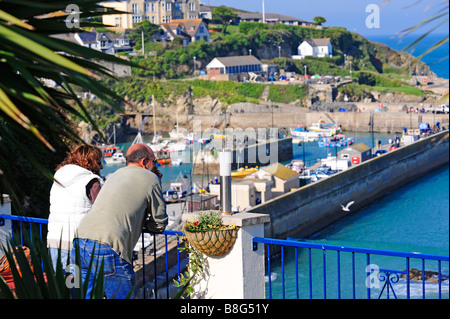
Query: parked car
point(379, 153)
point(394, 147)
point(170, 195)
point(442, 109)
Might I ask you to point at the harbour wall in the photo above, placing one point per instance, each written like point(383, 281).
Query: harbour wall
point(386, 122)
point(313, 207)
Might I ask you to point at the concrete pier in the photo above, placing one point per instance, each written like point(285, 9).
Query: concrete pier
point(315, 206)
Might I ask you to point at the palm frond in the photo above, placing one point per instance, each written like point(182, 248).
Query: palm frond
point(29, 53)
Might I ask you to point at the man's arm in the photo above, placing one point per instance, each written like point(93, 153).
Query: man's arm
point(157, 216)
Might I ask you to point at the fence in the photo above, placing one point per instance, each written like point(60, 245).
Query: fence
point(311, 270)
point(356, 272)
point(36, 227)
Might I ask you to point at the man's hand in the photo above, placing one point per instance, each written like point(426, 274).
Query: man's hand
point(157, 172)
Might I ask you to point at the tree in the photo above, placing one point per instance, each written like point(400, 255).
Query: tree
point(149, 29)
point(31, 56)
point(224, 16)
point(319, 20)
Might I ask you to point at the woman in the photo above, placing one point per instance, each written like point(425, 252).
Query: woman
point(76, 186)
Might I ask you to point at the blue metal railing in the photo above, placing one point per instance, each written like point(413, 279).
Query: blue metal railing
point(353, 272)
point(20, 224)
point(359, 274)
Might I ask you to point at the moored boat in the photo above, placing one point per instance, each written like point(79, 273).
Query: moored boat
point(242, 172)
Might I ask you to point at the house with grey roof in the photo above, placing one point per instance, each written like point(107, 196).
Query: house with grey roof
point(234, 65)
point(272, 18)
point(316, 48)
point(106, 42)
point(233, 68)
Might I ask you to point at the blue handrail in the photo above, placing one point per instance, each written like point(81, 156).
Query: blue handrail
point(384, 277)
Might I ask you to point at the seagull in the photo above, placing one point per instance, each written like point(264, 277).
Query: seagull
point(346, 208)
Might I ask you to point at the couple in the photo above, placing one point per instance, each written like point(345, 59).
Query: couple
point(130, 200)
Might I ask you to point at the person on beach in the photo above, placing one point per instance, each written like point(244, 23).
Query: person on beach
point(76, 186)
point(131, 200)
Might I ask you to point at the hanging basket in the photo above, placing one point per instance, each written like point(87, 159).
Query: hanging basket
point(216, 242)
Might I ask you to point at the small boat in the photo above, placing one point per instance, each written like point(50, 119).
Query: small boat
point(301, 133)
point(176, 147)
point(296, 165)
point(177, 162)
point(158, 146)
point(314, 131)
point(322, 128)
point(242, 172)
point(338, 140)
point(163, 157)
point(116, 158)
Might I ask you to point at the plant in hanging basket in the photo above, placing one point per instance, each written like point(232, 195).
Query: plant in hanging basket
point(209, 235)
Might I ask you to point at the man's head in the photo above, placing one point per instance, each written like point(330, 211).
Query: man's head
point(141, 155)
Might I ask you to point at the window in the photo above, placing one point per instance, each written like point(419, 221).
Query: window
point(147, 7)
point(117, 22)
point(136, 19)
point(201, 29)
point(163, 6)
point(134, 8)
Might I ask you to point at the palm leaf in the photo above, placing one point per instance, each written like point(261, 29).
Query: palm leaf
point(29, 53)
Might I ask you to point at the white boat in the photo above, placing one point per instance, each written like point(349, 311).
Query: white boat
point(176, 147)
point(302, 134)
point(177, 162)
point(116, 158)
point(314, 131)
point(158, 146)
point(322, 128)
point(296, 165)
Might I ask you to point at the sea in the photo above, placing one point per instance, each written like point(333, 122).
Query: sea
point(413, 218)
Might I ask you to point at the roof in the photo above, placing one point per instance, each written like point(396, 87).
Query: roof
point(189, 26)
point(268, 17)
point(239, 60)
point(359, 147)
point(88, 37)
point(280, 171)
point(318, 42)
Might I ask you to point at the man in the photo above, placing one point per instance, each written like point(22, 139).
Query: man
point(130, 200)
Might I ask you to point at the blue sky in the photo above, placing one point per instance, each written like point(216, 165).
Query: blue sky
point(394, 16)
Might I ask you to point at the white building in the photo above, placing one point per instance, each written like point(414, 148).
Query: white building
point(234, 65)
point(315, 48)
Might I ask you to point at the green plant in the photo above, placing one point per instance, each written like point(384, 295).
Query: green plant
point(190, 277)
point(38, 279)
point(207, 221)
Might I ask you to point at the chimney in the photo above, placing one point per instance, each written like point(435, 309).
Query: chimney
point(225, 158)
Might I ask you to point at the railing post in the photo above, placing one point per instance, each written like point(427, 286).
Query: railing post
point(239, 274)
point(5, 223)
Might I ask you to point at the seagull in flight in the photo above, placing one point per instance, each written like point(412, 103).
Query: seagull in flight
point(347, 208)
